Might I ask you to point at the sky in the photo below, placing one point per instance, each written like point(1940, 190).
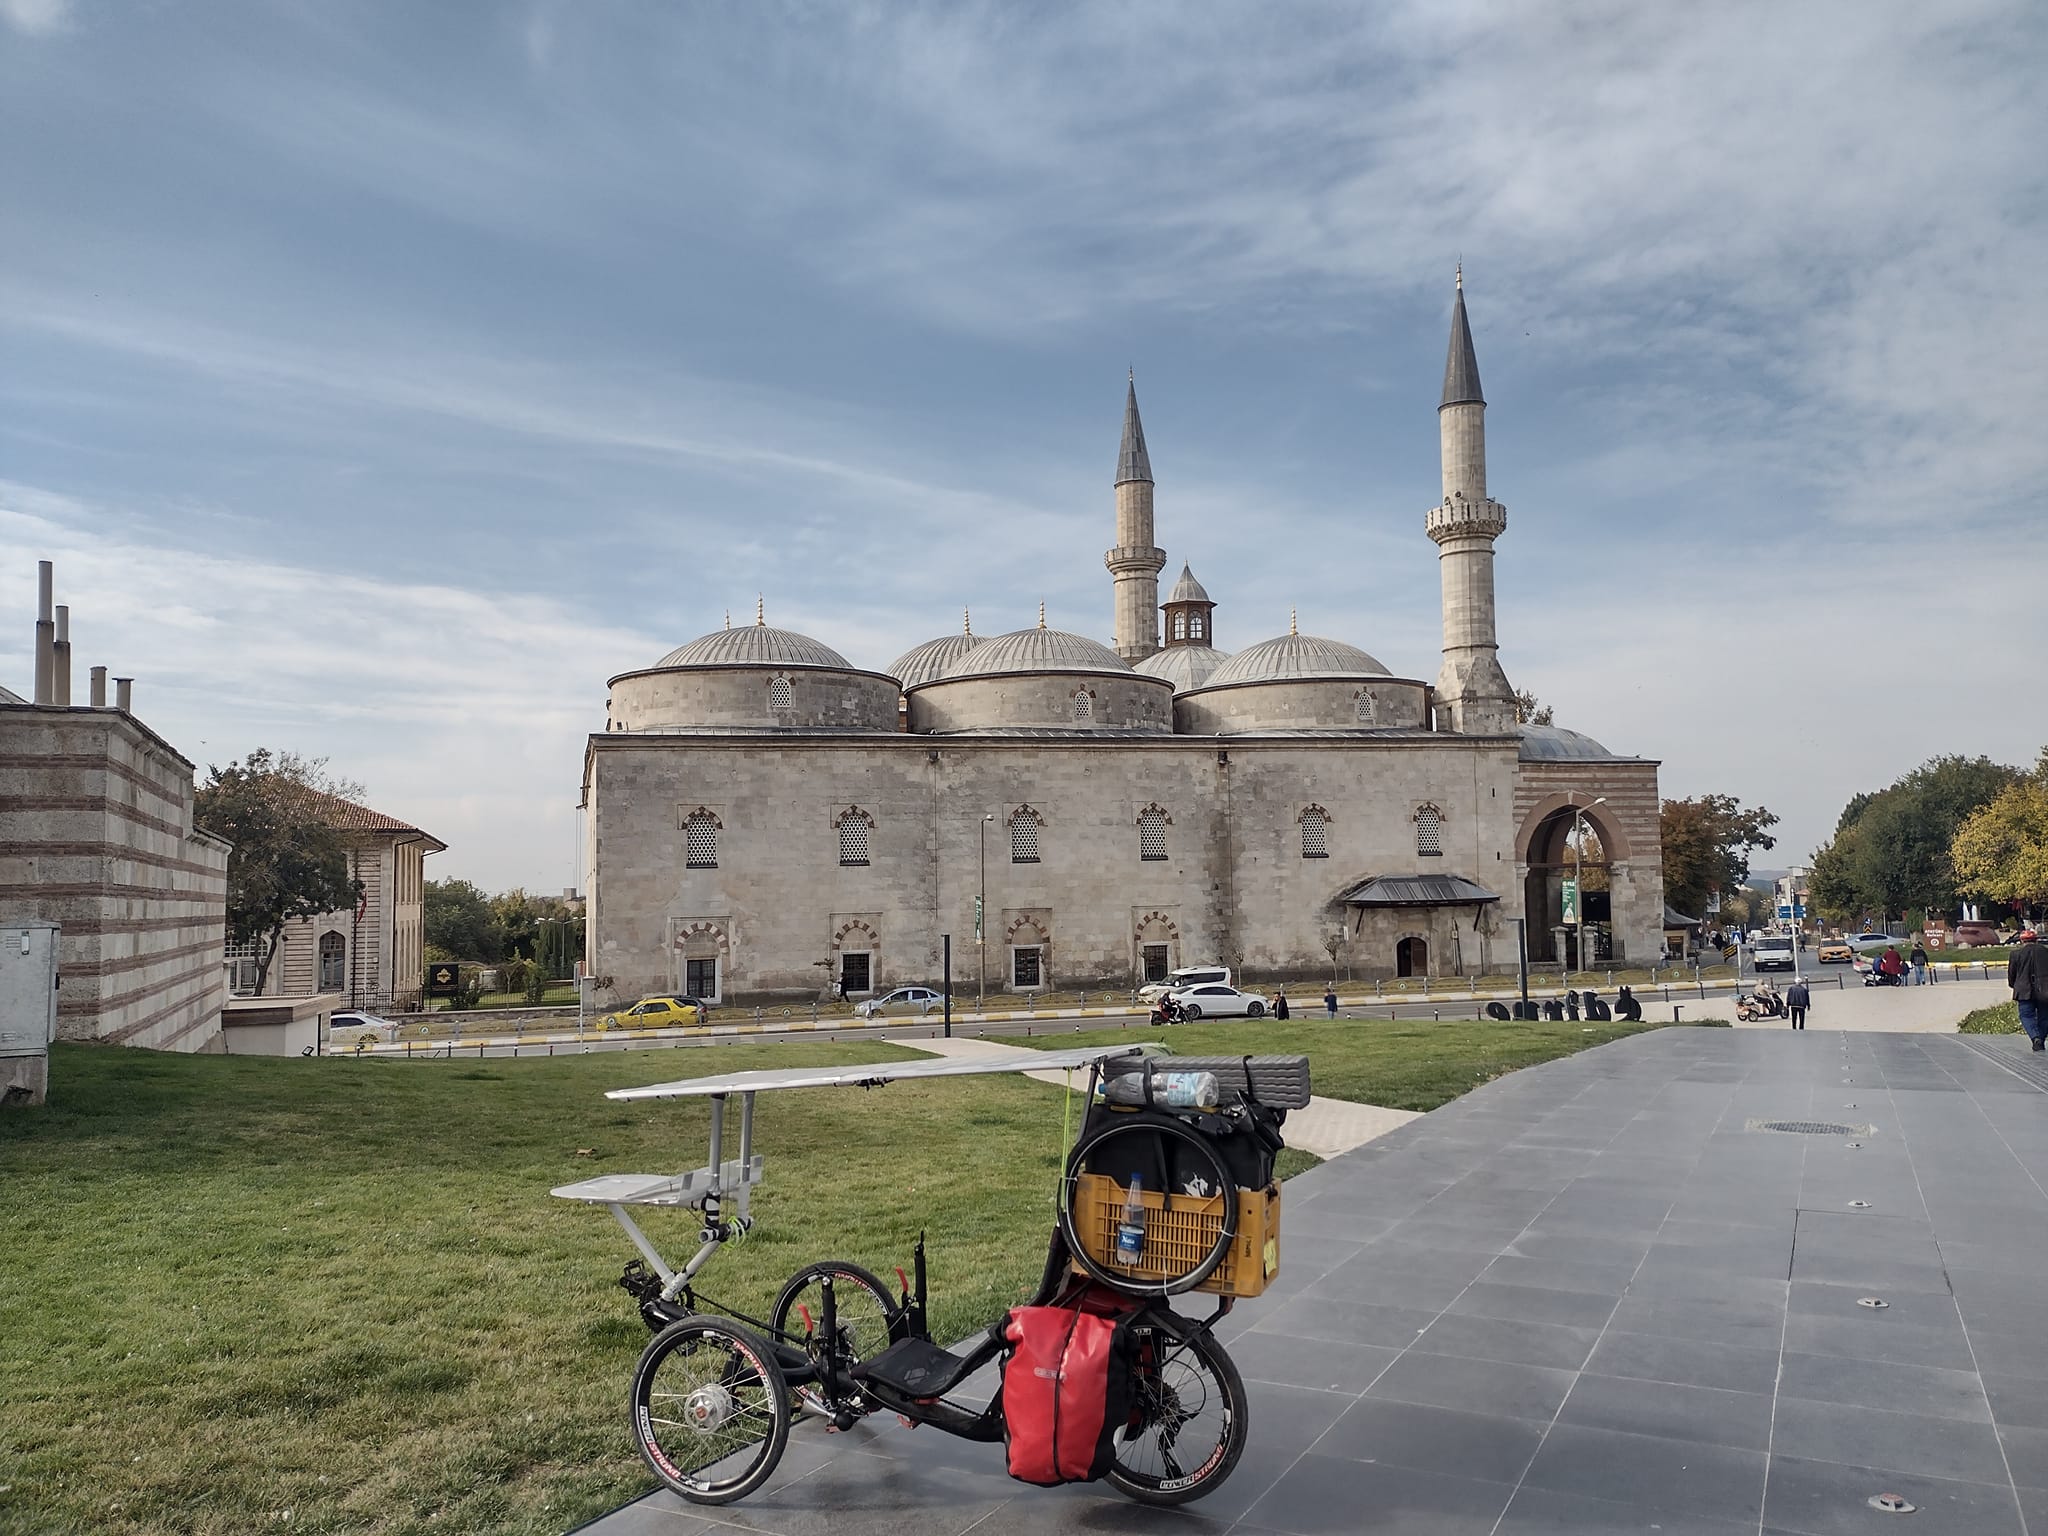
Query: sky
point(382, 378)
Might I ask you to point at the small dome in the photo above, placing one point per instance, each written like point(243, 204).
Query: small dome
point(755, 645)
point(1184, 666)
point(1555, 744)
point(1037, 650)
point(1290, 658)
point(922, 663)
point(1187, 589)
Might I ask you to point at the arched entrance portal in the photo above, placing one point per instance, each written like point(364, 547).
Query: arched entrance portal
point(1563, 845)
point(1411, 957)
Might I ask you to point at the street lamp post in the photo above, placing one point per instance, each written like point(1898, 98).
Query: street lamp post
point(1578, 878)
point(981, 919)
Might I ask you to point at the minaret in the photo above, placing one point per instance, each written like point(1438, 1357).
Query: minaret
point(1472, 693)
point(1135, 563)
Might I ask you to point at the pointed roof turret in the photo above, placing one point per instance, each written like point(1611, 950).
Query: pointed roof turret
point(1187, 589)
point(1461, 367)
point(1132, 462)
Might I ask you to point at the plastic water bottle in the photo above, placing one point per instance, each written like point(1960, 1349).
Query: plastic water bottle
point(1130, 1232)
point(1168, 1090)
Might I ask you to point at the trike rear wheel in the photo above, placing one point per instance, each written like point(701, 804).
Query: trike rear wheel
point(710, 1409)
point(868, 1319)
point(1188, 1423)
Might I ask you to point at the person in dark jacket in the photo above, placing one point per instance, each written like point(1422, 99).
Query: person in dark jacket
point(1280, 1004)
point(2026, 972)
point(1798, 1000)
point(1330, 1001)
point(1919, 961)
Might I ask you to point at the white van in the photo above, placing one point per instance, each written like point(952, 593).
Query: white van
point(1772, 952)
point(1186, 976)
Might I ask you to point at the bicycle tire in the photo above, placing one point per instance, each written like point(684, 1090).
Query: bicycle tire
point(1123, 1280)
point(727, 1402)
point(1158, 1400)
point(856, 1322)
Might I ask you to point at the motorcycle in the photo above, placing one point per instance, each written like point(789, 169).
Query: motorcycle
point(1168, 1011)
point(1875, 976)
point(1761, 1005)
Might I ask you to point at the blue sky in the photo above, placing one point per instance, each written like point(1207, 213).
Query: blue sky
point(384, 377)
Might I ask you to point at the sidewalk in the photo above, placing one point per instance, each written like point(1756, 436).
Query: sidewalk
point(1925, 1010)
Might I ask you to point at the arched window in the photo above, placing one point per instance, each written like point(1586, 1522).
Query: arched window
point(1194, 626)
point(1152, 834)
point(1429, 832)
point(700, 840)
point(1180, 626)
point(1084, 705)
point(1315, 833)
point(1024, 824)
point(1368, 707)
point(780, 694)
point(333, 954)
point(854, 827)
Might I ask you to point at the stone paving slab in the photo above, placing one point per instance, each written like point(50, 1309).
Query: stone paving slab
point(1593, 1296)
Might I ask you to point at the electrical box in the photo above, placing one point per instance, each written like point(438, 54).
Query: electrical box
point(28, 1009)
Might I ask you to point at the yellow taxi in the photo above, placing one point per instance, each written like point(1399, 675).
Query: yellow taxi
point(1836, 952)
point(666, 1012)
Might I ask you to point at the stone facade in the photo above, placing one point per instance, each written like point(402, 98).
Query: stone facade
point(96, 836)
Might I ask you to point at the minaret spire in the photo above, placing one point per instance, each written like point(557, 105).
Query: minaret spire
point(1135, 563)
point(1472, 693)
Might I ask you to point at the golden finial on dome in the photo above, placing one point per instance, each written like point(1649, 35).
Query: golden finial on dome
point(760, 610)
point(1293, 626)
point(728, 618)
point(967, 621)
point(1041, 615)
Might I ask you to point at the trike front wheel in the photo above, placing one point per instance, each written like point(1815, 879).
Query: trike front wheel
point(867, 1316)
point(1188, 1422)
point(710, 1409)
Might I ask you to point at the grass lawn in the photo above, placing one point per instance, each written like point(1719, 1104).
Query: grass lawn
point(1397, 1064)
point(2001, 1020)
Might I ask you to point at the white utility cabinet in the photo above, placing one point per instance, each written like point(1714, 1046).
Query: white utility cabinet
point(28, 1010)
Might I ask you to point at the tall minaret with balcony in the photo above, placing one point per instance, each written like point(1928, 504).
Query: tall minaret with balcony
point(1472, 693)
point(1135, 563)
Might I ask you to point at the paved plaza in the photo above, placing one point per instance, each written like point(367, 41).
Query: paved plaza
point(1613, 1293)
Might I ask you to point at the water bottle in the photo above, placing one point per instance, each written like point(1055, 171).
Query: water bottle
point(1130, 1232)
point(1169, 1090)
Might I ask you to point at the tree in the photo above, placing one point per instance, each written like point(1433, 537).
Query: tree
point(1529, 712)
point(460, 922)
point(2000, 852)
point(1890, 851)
point(289, 860)
point(1707, 843)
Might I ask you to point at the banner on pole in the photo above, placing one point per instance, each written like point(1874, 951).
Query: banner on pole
point(977, 919)
point(1571, 903)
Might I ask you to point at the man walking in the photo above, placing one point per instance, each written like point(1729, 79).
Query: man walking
point(2026, 972)
point(1919, 963)
point(1330, 1000)
point(1798, 1000)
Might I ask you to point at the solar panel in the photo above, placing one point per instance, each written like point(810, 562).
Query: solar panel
point(874, 1074)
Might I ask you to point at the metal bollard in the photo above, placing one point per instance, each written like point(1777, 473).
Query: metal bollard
point(1675, 1012)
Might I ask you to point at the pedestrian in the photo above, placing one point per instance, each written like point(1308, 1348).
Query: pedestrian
point(1919, 959)
point(1280, 1004)
point(1891, 964)
point(1330, 999)
point(2026, 972)
point(1798, 1000)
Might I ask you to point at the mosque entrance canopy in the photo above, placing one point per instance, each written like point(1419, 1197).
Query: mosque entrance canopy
point(1417, 891)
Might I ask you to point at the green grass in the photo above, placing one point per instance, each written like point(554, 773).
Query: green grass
point(1397, 1064)
point(1988, 954)
point(2001, 1020)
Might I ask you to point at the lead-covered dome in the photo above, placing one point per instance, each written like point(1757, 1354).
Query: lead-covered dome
point(755, 645)
point(922, 663)
point(1184, 666)
point(1293, 658)
point(1037, 650)
point(1555, 744)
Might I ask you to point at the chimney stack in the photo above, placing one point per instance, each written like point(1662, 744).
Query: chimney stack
point(46, 634)
point(60, 652)
point(99, 687)
point(124, 695)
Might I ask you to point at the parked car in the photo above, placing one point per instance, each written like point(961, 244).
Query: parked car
point(1217, 1001)
point(1773, 952)
point(664, 1012)
point(1836, 952)
point(1180, 980)
point(355, 1027)
point(1970, 935)
point(917, 1000)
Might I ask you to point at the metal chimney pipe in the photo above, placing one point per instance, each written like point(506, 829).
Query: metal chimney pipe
point(46, 634)
point(124, 695)
point(60, 658)
point(99, 687)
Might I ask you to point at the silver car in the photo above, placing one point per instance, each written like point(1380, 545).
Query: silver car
point(917, 1000)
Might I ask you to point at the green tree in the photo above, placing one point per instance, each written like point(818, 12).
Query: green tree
point(1529, 712)
point(289, 860)
point(460, 922)
point(2000, 852)
point(1890, 851)
point(1707, 843)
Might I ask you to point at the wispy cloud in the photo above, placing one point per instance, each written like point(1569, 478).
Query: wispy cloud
point(36, 17)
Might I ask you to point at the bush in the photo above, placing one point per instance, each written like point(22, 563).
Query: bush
point(2002, 1020)
point(536, 988)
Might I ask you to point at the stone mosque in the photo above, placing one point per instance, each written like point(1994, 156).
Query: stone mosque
point(767, 821)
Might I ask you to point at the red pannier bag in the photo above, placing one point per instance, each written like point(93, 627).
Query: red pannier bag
point(1066, 1392)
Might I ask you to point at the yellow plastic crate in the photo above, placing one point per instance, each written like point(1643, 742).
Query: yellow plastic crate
point(1179, 1231)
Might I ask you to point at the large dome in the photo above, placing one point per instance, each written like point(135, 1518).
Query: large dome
point(1291, 658)
point(1037, 650)
point(755, 645)
point(1184, 666)
point(1555, 744)
point(922, 663)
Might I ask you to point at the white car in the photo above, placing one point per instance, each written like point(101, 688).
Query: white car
point(1871, 943)
point(1214, 1000)
point(354, 1028)
point(918, 1000)
point(1180, 980)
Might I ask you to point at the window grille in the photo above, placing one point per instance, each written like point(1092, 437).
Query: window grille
point(1429, 832)
point(241, 964)
point(1315, 833)
point(1194, 626)
point(700, 978)
point(1026, 966)
point(1084, 706)
point(701, 841)
point(854, 973)
point(1180, 626)
point(853, 839)
point(780, 694)
point(1155, 962)
point(1152, 833)
point(1368, 707)
point(332, 954)
point(1024, 838)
